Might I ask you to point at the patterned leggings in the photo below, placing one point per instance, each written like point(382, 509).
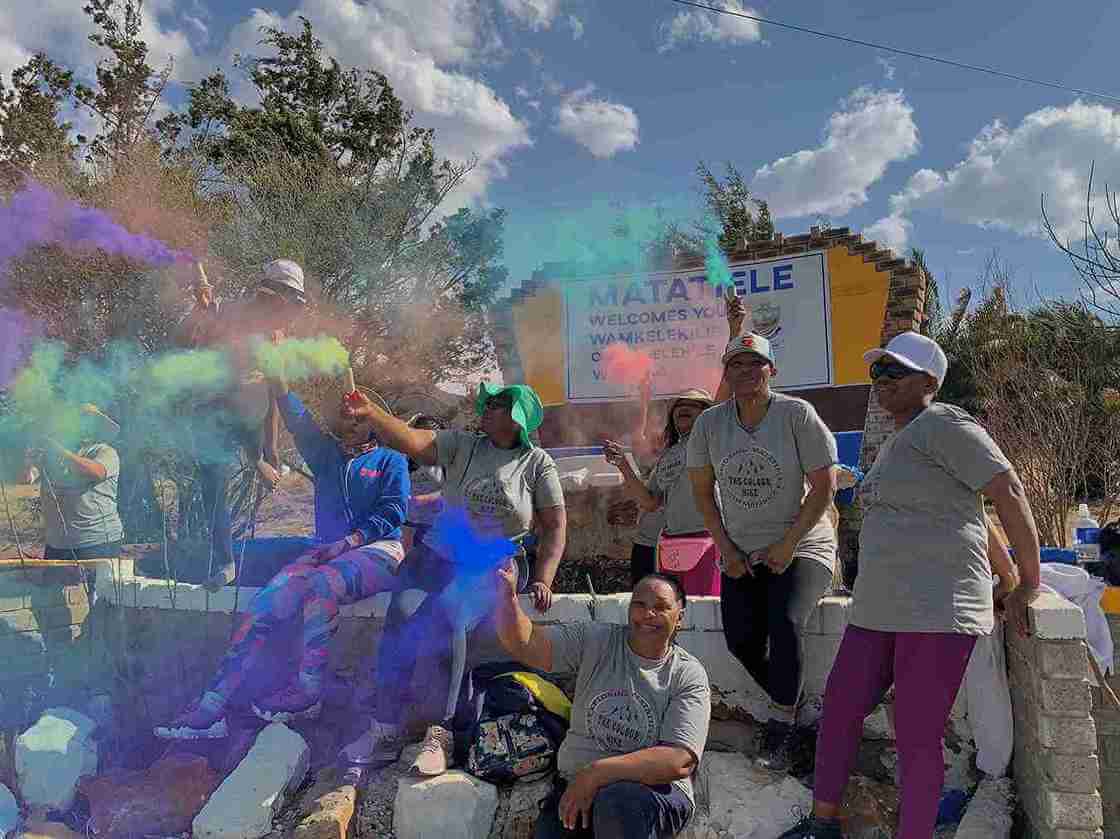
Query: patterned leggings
point(316, 592)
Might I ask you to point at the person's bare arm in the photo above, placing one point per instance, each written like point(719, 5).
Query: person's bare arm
point(524, 642)
point(1007, 494)
point(632, 485)
point(652, 766)
point(416, 443)
point(83, 467)
point(736, 314)
point(552, 525)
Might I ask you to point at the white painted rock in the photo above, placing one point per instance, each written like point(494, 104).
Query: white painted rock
point(244, 806)
point(454, 805)
point(989, 813)
point(52, 755)
point(736, 799)
point(9, 812)
point(878, 726)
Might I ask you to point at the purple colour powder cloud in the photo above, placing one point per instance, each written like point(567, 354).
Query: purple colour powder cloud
point(36, 216)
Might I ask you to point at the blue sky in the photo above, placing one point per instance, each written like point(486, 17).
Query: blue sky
point(571, 104)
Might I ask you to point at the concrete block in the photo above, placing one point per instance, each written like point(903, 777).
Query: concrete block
point(612, 608)
point(734, 798)
point(566, 608)
point(454, 805)
point(1065, 697)
point(1073, 810)
point(1054, 618)
point(1058, 660)
point(705, 613)
point(834, 614)
point(1063, 833)
point(1067, 735)
point(244, 806)
point(52, 755)
point(1070, 773)
point(988, 815)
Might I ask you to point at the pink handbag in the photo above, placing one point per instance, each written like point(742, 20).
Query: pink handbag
point(679, 554)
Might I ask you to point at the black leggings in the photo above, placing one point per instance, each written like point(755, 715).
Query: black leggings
point(756, 610)
point(643, 560)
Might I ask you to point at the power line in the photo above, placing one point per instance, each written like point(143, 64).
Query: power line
point(898, 51)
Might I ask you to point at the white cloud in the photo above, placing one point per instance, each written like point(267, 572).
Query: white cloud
point(890, 232)
point(999, 183)
point(602, 127)
point(700, 25)
point(888, 67)
point(873, 129)
point(576, 25)
point(423, 46)
point(522, 92)
point(536, 14)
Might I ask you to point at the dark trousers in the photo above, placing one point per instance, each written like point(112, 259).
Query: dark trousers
point(106, 550)
point(623, 810)
point(643, 560)
point(756, 612)
point(214, 478)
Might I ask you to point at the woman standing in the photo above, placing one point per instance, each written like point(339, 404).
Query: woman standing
point(924, 591)
point(772, 459)
point(670, 489)
point(506, 486)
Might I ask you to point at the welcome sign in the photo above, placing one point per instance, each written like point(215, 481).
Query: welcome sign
point(678, 319)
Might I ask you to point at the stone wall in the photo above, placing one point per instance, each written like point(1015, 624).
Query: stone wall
point(1057, 773)
point(1107, 719)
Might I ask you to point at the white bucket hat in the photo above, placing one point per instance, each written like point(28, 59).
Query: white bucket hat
point(284, 277)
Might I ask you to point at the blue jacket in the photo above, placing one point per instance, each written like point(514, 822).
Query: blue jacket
point(368, 493)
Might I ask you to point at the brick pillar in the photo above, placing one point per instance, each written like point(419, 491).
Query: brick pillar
point(1055, 764)
point(1107, 719)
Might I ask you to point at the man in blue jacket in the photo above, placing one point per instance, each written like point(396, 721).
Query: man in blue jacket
point(361, 498)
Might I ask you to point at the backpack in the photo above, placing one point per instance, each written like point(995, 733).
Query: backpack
point(509, 723)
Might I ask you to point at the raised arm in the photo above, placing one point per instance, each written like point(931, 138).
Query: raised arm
point(82, 467)
point(416, 443)
point(524, 642)
point(631, 483)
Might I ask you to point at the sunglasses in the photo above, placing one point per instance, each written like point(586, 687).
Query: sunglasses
point(890, 370)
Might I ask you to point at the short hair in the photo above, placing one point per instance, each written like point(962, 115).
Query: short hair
point(673, 582)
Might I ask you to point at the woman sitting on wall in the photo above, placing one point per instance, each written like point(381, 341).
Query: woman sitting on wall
point(507, 487)
point(924, 591)
point(361, 494)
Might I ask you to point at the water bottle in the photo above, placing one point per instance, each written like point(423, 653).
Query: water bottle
point(1086, 535)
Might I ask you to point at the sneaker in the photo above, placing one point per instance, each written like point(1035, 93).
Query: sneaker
point(379, 746)
point(292, 703)
point(810, 827)
point(196, 723)
point(435, 752)
point(779, 740)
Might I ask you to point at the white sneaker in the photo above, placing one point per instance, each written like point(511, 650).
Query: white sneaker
point(435, 752)
point(379, 746)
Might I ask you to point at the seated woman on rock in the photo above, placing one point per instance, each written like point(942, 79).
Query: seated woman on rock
point(639, 717)
point(507, 487)
point(361, 495)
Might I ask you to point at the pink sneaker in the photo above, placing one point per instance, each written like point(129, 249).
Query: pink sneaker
point(435, 752)
point(197, 722)
point(292, 703)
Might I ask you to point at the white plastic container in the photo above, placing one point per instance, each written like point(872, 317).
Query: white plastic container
point(1086, 535)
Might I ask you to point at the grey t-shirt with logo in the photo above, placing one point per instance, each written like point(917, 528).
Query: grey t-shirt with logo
point(623, 702)
point(650, 526)
point(499, 488)
point(79, 512)
point(669, 481)
point(923, 545)
point(760, 472)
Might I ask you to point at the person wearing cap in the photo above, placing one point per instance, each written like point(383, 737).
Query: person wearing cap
point(924, 591)
point(670, 488)
point(772, 461)
point(507, 486)
point(361, 496)
point(245, 418)
point(78, 491)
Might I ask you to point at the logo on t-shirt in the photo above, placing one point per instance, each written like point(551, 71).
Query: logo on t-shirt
point(621, 721)
point(669, 468)
point(751, 477)
point(489, 500)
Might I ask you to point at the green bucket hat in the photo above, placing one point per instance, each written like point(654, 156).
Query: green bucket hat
point(527, 410)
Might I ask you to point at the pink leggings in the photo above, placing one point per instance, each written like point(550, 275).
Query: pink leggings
point(927, 669)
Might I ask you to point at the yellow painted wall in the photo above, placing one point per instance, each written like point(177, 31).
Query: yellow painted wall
point(859, 303)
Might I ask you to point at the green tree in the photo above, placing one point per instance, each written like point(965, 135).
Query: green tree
point(33, 133)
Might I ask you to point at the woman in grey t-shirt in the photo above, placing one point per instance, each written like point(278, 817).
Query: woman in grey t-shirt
point(772, 459)
point(924, 591)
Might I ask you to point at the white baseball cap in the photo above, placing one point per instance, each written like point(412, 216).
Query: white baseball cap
point(915, 351)
point(752, 342)
point(285, 277)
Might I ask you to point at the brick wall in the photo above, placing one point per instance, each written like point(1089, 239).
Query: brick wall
point(1056, 770)
point(1107, 720)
